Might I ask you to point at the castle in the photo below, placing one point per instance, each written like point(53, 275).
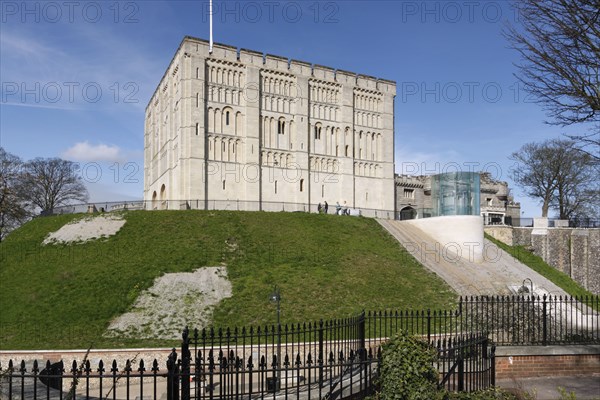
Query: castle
point(236, 129)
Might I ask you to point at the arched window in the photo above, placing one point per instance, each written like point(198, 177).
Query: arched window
point(227, 118)
point(302, 185)
point(322, 190)
point(346, 151)
point(275, 187)
point(197, 129)
point(317, 132)
point(223, 184)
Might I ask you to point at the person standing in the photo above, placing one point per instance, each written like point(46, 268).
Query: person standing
point(319, 208)
point(326, 207)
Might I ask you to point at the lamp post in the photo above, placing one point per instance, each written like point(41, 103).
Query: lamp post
point(276, 298)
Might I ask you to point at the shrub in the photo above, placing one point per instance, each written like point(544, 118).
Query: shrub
point(406, 371)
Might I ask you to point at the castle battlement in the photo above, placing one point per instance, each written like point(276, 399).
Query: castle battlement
point(192, 46)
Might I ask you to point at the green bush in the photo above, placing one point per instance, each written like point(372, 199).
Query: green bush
point(406, 371)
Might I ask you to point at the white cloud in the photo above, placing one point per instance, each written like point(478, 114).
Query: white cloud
point(83, 151)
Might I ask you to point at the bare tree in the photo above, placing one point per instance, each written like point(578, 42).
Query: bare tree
point(52, 182)
point(577, 188)
point(559, 42)
point(14, 209)
point(558, 174)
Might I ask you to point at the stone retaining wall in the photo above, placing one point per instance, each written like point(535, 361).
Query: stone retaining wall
point(574, 251)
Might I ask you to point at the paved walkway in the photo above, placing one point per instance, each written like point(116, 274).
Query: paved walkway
point(584, 387)
point(469, 278)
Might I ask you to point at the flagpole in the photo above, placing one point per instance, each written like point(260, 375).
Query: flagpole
point(210, 12)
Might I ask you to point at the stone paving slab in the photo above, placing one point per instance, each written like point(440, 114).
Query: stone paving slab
point(584, 387)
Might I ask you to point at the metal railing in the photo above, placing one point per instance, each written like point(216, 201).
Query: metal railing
point(572, 222)
point(507, 320)
point(327, 359)
point(466, 363)
point(230, 205)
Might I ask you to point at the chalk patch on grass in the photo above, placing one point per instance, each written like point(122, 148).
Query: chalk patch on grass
point(174, 301)
point(85, 229)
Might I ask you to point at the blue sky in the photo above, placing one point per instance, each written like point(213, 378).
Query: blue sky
point(76, 76)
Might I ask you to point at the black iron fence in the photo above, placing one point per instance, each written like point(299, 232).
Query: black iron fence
point(506, 320)
point(334, 359)
point(466, 363)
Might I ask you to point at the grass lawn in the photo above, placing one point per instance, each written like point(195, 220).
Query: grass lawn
point(64, 296)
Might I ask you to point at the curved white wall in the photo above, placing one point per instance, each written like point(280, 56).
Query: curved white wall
point(460, 235)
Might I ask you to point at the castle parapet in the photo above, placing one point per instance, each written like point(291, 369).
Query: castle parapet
point(251, 57)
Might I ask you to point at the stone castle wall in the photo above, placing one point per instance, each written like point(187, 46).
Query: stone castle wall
point(574, 251)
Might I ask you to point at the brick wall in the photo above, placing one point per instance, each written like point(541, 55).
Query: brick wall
point(513, 362)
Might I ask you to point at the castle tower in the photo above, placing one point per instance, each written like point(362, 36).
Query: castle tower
point(243, 130)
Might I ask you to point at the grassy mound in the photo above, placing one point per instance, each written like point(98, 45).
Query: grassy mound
point(64, 296)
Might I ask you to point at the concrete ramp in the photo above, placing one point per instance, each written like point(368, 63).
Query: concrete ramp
point(498, 274)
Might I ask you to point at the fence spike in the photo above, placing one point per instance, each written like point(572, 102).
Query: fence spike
point(141, 368)
point(114, 368)
point(298, 361)
point(74, 367)
point(250, 365)
point(22, 369)
point(35, 369)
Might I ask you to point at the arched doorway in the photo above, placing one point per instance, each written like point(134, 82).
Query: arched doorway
point(408, 213)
